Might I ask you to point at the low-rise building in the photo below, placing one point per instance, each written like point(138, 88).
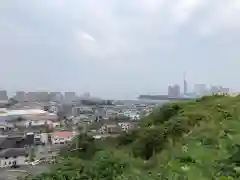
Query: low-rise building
point(110, 127)
point(13, 156)
point(53, 125)
point(62, 137)
point(76, 111)
point(127, 125)
point(39, 138)
point(5, 127)
point(27, 117)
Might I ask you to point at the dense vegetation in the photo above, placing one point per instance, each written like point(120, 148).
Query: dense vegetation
point(195, 140)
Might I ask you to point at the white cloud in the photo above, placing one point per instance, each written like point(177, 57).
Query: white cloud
point(184, 10)
point(86, 36)
point(165, 17)
point(222, 17)
point(150, 6)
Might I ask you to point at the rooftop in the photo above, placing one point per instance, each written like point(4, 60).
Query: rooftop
point(22, 112)
point(10, 152)
point(62, 134)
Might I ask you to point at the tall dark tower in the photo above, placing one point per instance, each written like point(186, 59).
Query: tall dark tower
point(184, 85)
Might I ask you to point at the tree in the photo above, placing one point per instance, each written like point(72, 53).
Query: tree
point(105, 165)
point(83, 147)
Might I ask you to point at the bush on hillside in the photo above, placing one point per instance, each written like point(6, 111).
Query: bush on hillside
point(83, 146)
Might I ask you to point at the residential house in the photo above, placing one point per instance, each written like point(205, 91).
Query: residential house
point(127, 125)
point(4, 126)
point(110, 127)
point(12, 151)
point(13, 156)
point(62, 137)
point(81, 118)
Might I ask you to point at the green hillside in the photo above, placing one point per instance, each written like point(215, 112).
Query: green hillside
point(195, 140)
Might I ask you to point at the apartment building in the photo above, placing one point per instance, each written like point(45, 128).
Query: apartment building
point(3, 95)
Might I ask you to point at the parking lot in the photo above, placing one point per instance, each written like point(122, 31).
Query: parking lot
point(12, 174)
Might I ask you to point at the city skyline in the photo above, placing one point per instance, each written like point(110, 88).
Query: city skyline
point(173, 90)
point(118, 50)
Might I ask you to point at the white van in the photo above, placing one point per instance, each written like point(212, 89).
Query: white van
point(35, 162)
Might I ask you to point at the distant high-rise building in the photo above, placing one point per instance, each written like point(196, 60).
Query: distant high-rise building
point(200, 89)
point(55, 96)
point(185, 85)
point(3, 95)
point(86, 94)
point(219, 89)
point(42, 96)
point(37, 96)
point(215, 89)
point(31, 96)
point(225, 90)
point(20, 96)
point(70, 96)
point(174, 91)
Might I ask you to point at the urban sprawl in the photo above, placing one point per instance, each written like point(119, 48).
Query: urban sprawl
point(34, 126)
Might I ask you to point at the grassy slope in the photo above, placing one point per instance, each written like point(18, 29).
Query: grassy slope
point(195, 140)
point(209, 147)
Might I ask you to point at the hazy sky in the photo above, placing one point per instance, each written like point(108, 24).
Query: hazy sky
point(118, 48)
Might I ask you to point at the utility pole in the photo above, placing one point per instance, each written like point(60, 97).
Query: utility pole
point(77, 133)
point(77, 138)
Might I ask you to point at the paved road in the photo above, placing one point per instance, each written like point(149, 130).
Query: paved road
point(11, 174)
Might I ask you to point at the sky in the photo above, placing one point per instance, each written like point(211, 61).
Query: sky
point(118, 48)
